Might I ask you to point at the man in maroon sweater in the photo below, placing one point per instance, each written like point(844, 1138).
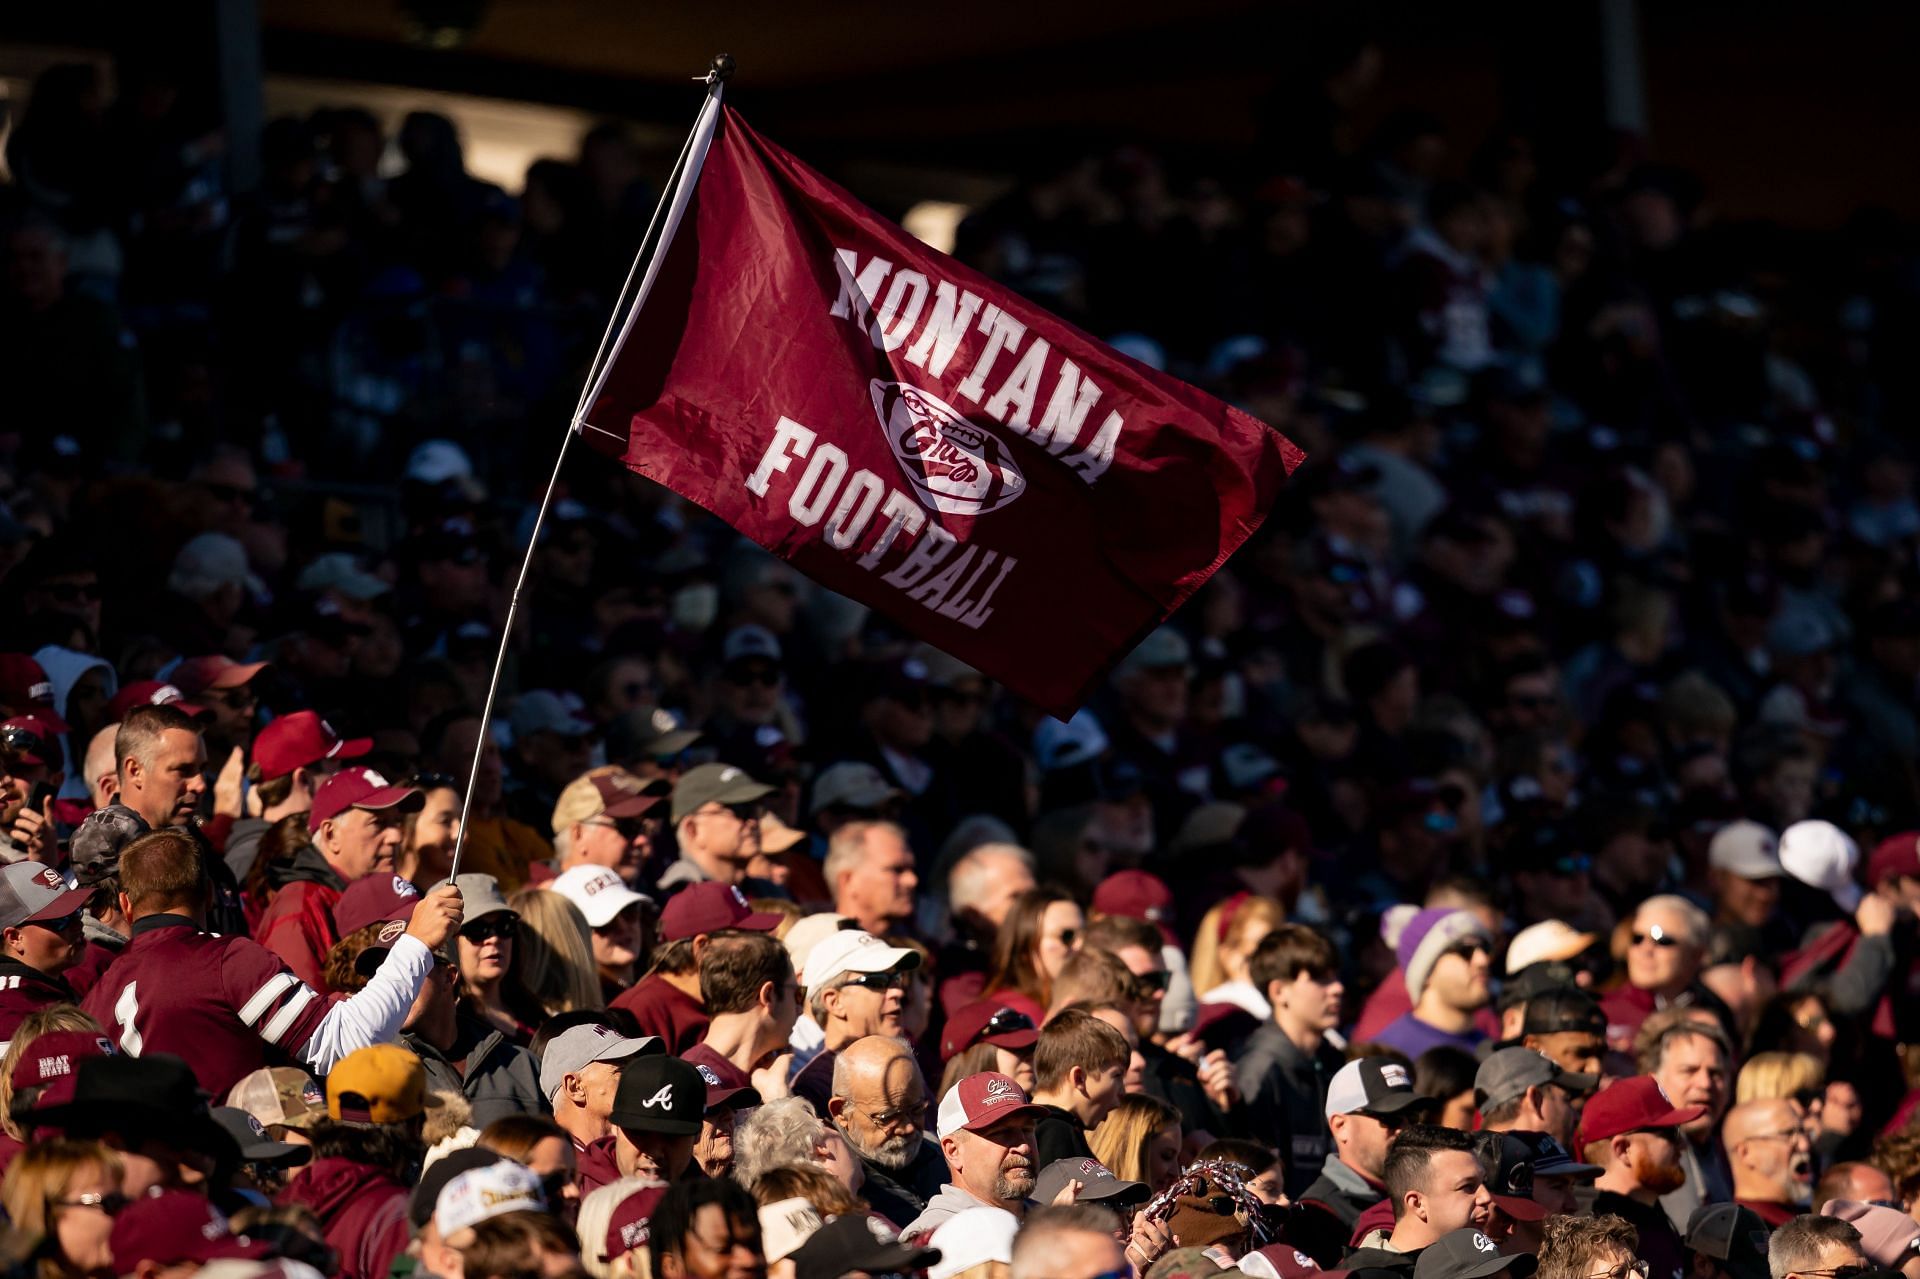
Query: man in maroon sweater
point(666, 1002)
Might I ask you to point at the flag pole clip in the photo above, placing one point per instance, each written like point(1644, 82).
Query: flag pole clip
point(720, 70)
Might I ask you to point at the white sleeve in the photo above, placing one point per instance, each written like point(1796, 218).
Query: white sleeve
point(376, 1013)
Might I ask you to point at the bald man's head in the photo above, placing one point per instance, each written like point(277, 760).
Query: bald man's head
point(1770, 1152)
point(879, 1100)
point(1860, 1182)
point(102, 769)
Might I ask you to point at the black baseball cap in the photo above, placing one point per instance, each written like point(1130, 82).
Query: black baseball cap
point(1511, 1181)
point(1734, 1236)
point(1551, 1159)
point(858, 1242)
point(1377, 1086)
point(1536, 980)
point(1469, 1254)
point(1563, 1010)
point(660, 1094)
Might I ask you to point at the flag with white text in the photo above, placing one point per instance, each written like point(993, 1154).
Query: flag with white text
point(918, 438)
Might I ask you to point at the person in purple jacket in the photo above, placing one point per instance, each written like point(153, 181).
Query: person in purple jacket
point(1447, 958)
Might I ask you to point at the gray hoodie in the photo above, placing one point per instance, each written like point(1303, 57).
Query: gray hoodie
point(952, 1200)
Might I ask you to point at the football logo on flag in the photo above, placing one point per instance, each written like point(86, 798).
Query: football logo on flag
point(954, 466)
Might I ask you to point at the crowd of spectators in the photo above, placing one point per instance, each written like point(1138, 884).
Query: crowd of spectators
point(1508, 861)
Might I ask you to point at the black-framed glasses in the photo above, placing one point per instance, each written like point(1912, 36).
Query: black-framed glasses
point(505, 927)
point(882, 981)
point(1836, 1272)
point(110, 1203)
point(1658, 936)
point(629, 828)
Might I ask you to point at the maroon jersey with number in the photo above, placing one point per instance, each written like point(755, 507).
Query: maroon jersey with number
point(25, 990)
point(225, 1004)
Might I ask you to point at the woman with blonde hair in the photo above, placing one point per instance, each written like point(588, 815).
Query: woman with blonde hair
point(1140, 1141)
point(1774, 1075)
point(595, 1221)
point(32, 1026)
point(554, 955)
point(64, 1194)
point(1228, 936)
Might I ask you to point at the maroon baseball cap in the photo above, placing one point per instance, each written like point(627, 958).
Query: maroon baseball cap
point(1896, 855)
point(30, 740)
point(989, 1020)
point(709, 907)
point(728, 1091)
point(983, 1100)
point(196, 675)
point(1631, 1105)
point(375, 899)
point(360, 788)
point(1136, 894)
point(628, 1227)
point(52, 1063)
point(301, 740)
point(172, 1227)
point(1286, 1261)
point(26, 690)
point(152, 692)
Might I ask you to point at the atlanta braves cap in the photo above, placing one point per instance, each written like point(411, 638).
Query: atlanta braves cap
point(573, 1050)
point(31, 893)
point(660, 1094)
point(981, 1101)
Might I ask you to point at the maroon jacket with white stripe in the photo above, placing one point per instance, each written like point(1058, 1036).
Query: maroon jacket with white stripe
point(227, 1005)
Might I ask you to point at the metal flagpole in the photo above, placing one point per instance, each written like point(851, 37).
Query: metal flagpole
point(660, 228)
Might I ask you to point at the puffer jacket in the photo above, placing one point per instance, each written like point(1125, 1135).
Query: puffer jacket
point(495, 1075)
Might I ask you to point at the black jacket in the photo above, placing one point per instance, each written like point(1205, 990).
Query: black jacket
point(1285, 1098)
point(901, 1194)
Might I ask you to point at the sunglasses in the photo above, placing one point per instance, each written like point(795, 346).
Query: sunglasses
point(1658, 936)
point(882, 981)
point(18, 741)
point(1467, 949)
point(64, 924)
point(432, 781)
point(1837, 1272)
point(1004, 1022)
point(1151, 983)
point(505, 927)
point(629, 828)
point(110, 1203)
point(1068, 936)
point(747, 678)
point(1572, 864)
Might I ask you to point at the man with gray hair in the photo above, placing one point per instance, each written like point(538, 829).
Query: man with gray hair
point(1667, 954)
point(1814, 1247)
point(982, 884)
point(879, 1104)
point(869, 869)
point(1685, 1050)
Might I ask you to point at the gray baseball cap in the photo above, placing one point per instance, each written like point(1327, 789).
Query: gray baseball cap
point(714, 784)
point(31, 893)
point(1510, 1072)
point(574, 1050)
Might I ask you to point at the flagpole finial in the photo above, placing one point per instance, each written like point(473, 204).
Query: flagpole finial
point(720, 69)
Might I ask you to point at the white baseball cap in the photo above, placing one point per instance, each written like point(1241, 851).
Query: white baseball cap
point(600, 893)
point(853, 950)
point(785, 1224)
point(1745, 850)
point(972, 1238)
point(808, 933)
point(1549, 939)
point(480, 1193)
point(1821, 855)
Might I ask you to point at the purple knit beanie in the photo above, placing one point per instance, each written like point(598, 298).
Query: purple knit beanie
point(1428, 936)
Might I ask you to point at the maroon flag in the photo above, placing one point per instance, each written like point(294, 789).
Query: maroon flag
point(915, 436)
